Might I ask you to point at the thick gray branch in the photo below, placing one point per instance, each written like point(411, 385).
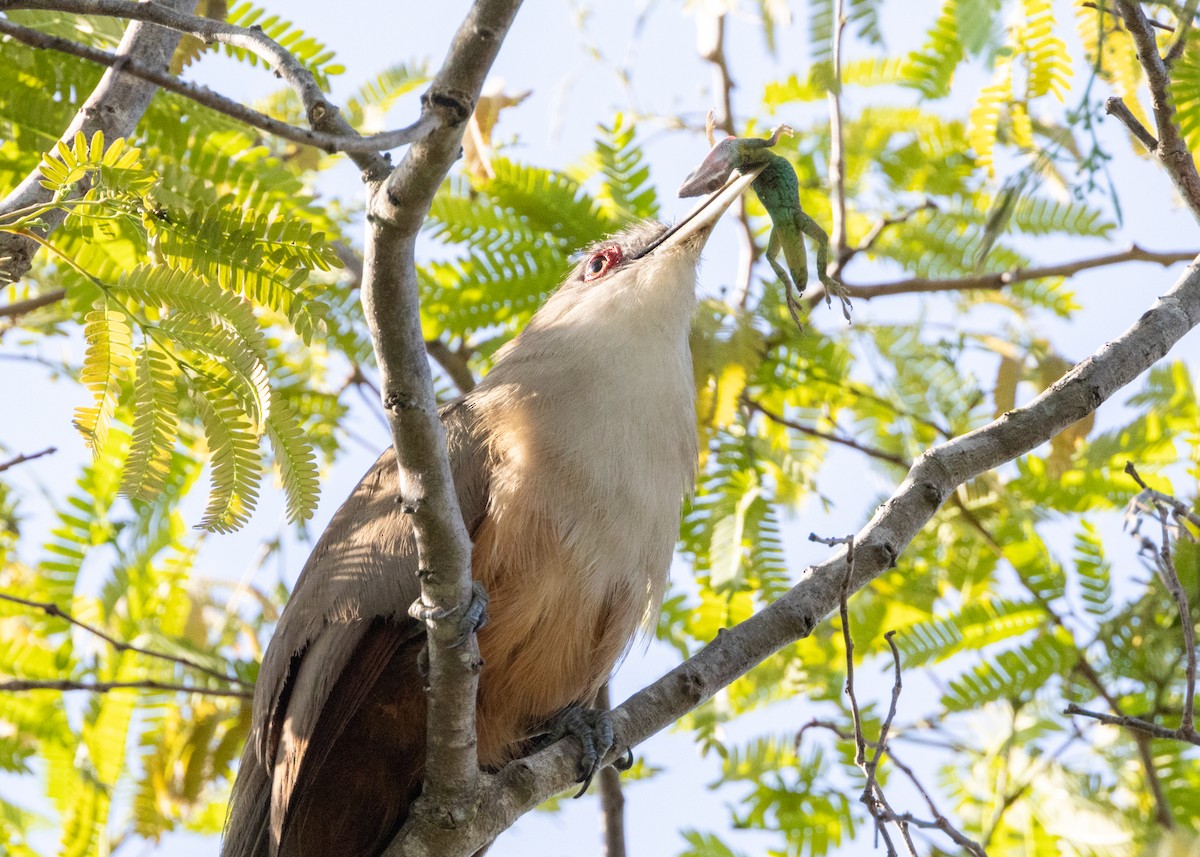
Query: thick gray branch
point(114, 107)
point(397, 207)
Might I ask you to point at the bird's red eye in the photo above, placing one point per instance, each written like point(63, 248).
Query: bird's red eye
point(601, 262)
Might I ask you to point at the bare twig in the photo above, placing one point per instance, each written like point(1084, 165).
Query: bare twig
point(1178, 508)
point(878, 228)
point(454, 362)
point(1165, 561)
point(21, 459)
point(20, 308)
point(612, 799)
point(1134, 723)
point(1101, 7)
point(23, 685)
point(710, 44)
point(1116, 107)
point(1001, 279)
point(848, 442)
point(52, 609)
point(214, 100)
point(837, 163)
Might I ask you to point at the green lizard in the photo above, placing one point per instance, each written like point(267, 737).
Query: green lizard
point(778, 190)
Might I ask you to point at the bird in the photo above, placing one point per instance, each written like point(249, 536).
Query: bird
point(570, 460)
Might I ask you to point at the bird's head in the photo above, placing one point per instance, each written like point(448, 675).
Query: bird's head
point(646, 272)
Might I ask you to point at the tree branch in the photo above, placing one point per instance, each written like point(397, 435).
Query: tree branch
point(1006, 278)
point(114, 107)
point(22, 685)
point(837, 161)
point(1134, 723)
point(52, 609)
point(612, 799)
point(21, 459)
point(20, 308)
point(1171, 151)
point(396, 208)
point(329, 142)
point(848, 442)
point(710, 45)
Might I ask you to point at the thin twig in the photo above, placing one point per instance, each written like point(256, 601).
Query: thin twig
point(23, 685)
point(1134, 723)
point(202, 95)
point(848, 442)
point(1116, 107)
point(1165, 561)
point(19, 308)
point(1002, 279)
point(21, 459)
point(837, 162)
point(612, 798)
point(877, 229)
point(710, 44)
point(52, 609)
point(1178, 507)
point(454, 362)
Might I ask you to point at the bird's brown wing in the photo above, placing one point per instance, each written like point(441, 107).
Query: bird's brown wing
point(347, 620)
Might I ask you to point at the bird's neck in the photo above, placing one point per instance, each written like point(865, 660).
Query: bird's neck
point(593, 426)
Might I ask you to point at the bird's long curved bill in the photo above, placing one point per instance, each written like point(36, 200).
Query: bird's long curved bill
point(706, 213)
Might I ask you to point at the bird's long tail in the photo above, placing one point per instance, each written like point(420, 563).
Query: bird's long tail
point(247, 827)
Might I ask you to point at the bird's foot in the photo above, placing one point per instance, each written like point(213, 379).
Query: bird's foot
point(594, 730)
point(470, 617)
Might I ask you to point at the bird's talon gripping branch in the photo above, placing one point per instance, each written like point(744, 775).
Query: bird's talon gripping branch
point(593, 727)
point(778, 190)
point(473, 614)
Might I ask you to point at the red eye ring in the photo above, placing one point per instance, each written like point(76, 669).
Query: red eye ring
point(601, 262)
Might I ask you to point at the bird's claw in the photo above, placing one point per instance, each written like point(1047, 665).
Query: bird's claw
point(594, 730)
point(472, 616)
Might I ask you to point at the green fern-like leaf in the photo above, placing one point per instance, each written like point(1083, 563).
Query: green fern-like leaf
point(1015, 674)
point(931, 69)
point(227, 360)
point(1185, 92)
point(1045, 54)
point(236, 463)
point(312, 54)
point(109, 353)
point(973, 627)
point(1095, 582)
point(266, 258)
point(367, 107)
point(985, 115)
point(626, 193)
point(154, 425)
point(296, 460)
point(171, 289)
point(83, 524)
